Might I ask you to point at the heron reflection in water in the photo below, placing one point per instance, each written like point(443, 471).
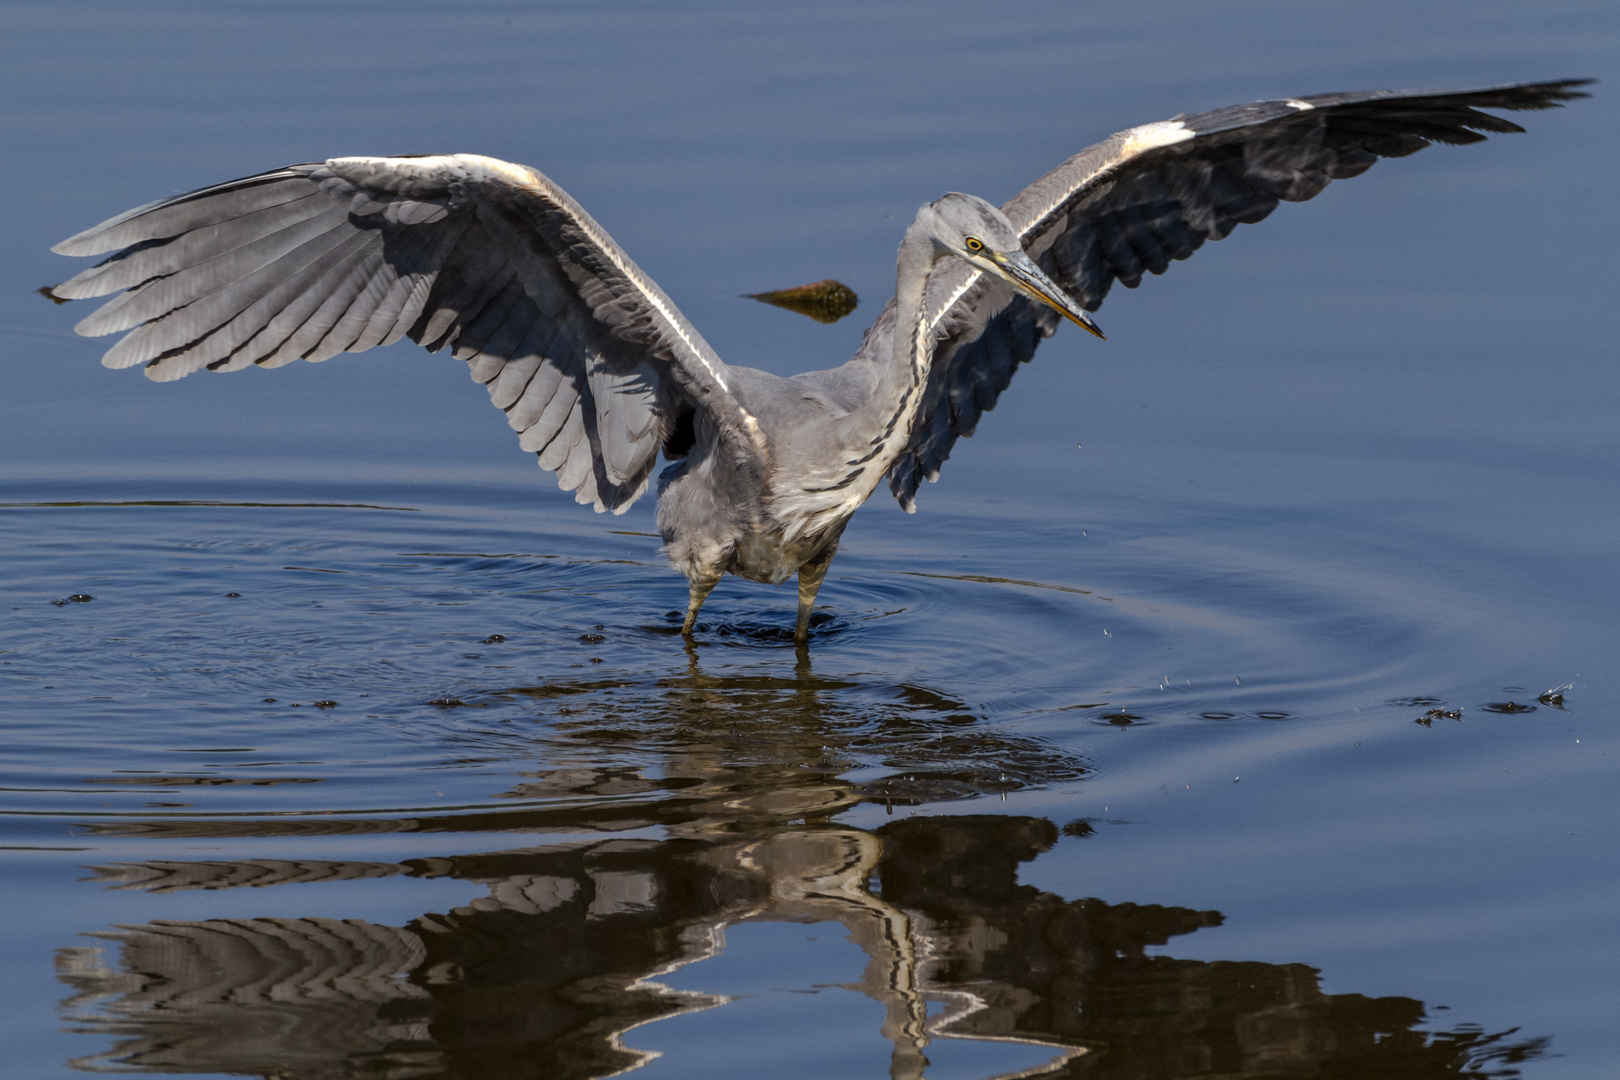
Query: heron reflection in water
point(598, 371)
point(584, 935)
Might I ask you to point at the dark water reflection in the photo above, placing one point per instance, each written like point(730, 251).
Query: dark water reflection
point(576, 944)
point(549, 973)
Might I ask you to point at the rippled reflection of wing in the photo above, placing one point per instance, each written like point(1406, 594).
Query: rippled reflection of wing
point(253, 995)
point(591, 362)
point(1150, 195)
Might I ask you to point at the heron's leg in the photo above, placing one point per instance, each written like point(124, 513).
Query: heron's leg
point(811, 575)
point(700, 588)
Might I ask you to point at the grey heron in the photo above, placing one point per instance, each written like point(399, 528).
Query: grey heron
point(599, 372)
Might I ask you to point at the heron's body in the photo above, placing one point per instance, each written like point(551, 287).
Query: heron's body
point(599, 372)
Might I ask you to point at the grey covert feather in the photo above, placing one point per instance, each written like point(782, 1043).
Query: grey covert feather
point(598, 371)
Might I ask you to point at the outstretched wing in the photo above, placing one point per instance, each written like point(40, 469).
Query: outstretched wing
point(1150, 195)
point(592, 363)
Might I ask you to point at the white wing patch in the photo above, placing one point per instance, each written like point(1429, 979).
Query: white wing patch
point(516, 175)
point(1138, 140)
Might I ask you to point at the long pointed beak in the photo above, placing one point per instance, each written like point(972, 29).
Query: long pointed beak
point(1027, 278)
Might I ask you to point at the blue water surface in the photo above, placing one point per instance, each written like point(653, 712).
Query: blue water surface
point(1241, 702)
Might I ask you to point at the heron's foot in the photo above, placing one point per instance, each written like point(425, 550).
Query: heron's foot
point(699, 590)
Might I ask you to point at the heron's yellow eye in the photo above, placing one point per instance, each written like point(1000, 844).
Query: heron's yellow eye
point(973, 244)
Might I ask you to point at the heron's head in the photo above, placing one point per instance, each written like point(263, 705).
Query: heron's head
point(979, 234)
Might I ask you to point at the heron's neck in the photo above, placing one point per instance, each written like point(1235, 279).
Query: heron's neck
point(912, 347)
point(900, 384)
point(874, 434)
